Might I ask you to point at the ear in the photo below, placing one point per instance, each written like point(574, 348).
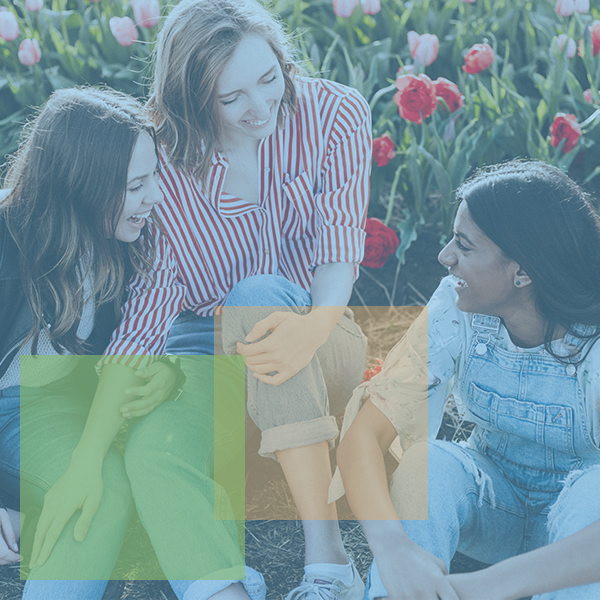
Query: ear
point(521, 279)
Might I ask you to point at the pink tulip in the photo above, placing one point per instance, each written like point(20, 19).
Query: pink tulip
point(370, 7)
point(124, 30)
point(29, 52)
point(146, 12)
point(344, 8)
point(468, 1)
point(9, 28)
point(587, 96)
point(565, 8)
point(423, 48)
point(571, 46)
point(34, 5)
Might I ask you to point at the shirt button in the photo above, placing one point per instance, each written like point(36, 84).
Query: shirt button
point(267, 252)
point(267, 169)
point(571, 370)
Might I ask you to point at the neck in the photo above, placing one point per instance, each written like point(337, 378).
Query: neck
point(245, 146)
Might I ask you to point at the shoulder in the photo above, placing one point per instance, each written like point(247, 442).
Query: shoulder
point(333, 100)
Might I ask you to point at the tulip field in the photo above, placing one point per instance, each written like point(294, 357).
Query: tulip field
point(452, 84)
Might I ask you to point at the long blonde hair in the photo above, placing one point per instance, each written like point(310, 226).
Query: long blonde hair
point(68, 181)
point(196, 41)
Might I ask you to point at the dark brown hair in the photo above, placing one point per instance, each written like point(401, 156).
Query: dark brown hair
point(68, 183)
point(544, 221)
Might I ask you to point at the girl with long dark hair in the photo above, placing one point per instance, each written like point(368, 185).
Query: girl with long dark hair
point(77, 235)
point(512, 333)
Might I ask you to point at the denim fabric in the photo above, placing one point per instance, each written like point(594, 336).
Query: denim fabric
point(529, 474)
point(9, 447)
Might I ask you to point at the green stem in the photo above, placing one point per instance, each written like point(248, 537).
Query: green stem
point(379, 94)
point(392, 198)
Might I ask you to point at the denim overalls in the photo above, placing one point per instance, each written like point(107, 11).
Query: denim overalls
point(529, 474)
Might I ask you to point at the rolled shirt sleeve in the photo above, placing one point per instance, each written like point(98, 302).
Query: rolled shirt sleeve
point(341, 206)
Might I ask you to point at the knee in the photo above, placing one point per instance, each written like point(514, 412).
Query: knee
point(577, 506)
point(266, 290)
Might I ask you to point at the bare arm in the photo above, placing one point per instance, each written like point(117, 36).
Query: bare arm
point(407, 571)
point(570, 562)
point(81, 486)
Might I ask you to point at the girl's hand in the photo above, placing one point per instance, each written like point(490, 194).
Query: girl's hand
point(411, 573)
point(9, 549)
point(475, 586)
point(161, 380)
point(81, 487)
point(288, 348)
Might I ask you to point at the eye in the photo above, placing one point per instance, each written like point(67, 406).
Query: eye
point(460, 245)
point(136, 188)
point(272, 79)
point(156, 173)
point(225, 103)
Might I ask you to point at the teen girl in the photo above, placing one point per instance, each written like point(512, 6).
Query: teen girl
point(512, 332)
point(75, 227)
point(265, 178)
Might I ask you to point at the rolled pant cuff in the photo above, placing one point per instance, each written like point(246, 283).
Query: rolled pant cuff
point(253, 583)
point(298, 435)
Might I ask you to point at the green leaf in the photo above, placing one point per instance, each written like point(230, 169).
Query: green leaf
point(408, 234)
point(541, 111)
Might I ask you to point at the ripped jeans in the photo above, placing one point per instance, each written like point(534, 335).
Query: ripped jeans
point(474, 509)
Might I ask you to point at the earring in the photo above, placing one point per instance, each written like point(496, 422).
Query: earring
point(517, 282)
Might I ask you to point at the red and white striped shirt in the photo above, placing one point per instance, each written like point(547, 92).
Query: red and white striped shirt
point(313, 190)
point(148, 313)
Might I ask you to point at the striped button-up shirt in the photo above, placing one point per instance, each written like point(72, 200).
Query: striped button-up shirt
point(313, 191)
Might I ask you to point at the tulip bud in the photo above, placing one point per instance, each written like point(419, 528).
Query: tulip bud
point(9, 28)
point(29, 52)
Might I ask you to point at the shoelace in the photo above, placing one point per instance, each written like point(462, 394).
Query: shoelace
point(322, 591)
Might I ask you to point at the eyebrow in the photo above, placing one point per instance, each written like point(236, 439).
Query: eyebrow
point(458, 234)
point(261, 77)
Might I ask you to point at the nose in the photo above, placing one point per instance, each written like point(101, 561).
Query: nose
point(447, 256)
point(154, 195)
point(260, 106)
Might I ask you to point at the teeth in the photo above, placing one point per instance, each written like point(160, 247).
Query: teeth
point(138, 218)
point(257, 123)
point(460, 282)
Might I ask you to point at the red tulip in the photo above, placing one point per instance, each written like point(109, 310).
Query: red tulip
point(565, 127)
point(563, 39)
point(380, 244)
point(449, 91)
point(9, 28)
point(124, 30)
point(415, 97)
point(383, 150)
point(587, 96)
point(146, 12)
point(595, 29)
point(373, 370)
point(34, 5)
point(423, 48)
point(478, 58)
point(29, 52)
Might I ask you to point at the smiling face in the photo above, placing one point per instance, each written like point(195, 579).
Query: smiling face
point(486, 281)
point(143, 191)
point(250, 89)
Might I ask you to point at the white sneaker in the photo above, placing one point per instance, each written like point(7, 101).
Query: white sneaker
point(320, 587)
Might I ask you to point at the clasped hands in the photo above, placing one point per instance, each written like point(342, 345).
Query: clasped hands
point(289, 342)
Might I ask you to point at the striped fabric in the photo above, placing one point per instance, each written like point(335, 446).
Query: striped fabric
point(148, 313)
point(314, 190)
